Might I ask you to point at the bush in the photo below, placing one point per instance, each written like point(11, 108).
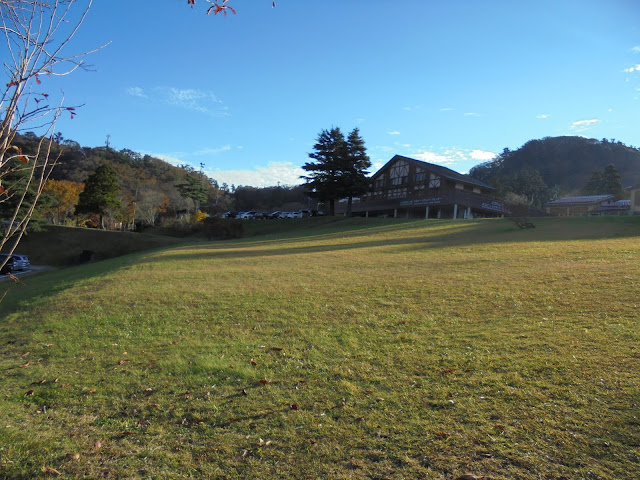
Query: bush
point(224, 228)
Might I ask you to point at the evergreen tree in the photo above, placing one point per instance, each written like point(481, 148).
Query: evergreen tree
point(323, 182)
point(605, 182)
point(196, 188)
point(612, 182)
point(356, 162)
point(100, 194)
point(340, 169)
point(595, 184)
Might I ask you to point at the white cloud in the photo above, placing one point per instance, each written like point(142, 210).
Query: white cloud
point(446, 109)
point(482, 155)
point(635, 68)
point(283, 173)
point(395, 132)
point(636, 49)
point(543, 116)
point(471, 114)
point(136, 92)
point(412, 109)
point(582, 125)
point(433, 157)
point(213, 151)
point(188, 98)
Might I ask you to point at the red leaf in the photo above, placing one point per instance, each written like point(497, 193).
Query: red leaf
point(38, 80)
point(294, 406)
point(263, 381)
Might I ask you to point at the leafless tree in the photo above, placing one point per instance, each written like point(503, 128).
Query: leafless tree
point(37, 35)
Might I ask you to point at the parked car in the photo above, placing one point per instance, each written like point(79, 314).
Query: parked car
point(275, 214)
point(9, 266)
point(295, 215)
point(21, 261)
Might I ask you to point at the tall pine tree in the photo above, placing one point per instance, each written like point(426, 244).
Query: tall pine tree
point(323, 182)
point(340, 170)
point(355, 181)
point(100, 194)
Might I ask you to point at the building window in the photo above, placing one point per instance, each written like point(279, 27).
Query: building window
point(434, 181)
point(398, 192)
point(380, 183)
point(399, 173)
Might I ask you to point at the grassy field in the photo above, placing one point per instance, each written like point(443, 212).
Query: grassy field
point(348, 348)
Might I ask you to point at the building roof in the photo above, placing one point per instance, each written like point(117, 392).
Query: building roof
point(440, 170)
point(582, 200)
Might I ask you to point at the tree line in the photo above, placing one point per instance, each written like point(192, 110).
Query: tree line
point(546, 169)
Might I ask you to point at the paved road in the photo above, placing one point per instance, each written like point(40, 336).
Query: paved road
point(33, 269)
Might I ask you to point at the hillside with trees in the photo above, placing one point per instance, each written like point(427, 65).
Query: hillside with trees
point(544, 169)
point(147, 191)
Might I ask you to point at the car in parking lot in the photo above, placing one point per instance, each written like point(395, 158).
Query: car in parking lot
point(16, 262)
point(9, 264)
point(21, 261)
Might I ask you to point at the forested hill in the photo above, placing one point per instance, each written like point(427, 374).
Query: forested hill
point(563, 162)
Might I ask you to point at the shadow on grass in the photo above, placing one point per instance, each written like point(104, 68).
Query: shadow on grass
point(339, 235)
point(421, 234)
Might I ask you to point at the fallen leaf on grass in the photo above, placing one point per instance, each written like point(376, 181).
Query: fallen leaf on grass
point(276, 349)
point(50, 471)
point(449, 371)
point(470, 476)
point(264, 381)
point(97, 445)
point(294, 406)
point(30, 392)
point(25, 354)
point(92, 391)
point(41, 382)
point(253, 362)
point(123, 361)
point(442, 434)
point(73, 456)
point(24, 365)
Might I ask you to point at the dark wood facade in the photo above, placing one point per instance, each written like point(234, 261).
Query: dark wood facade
point(409, 188)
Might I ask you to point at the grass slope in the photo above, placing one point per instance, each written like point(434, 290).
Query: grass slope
point(62, 246)
point(346, 349)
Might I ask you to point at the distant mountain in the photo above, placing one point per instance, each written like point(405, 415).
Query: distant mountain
point(565, 164)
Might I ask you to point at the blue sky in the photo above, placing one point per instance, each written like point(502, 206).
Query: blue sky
point(450, 82)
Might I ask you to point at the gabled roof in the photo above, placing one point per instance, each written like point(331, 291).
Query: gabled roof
point(582, 200)
point(437, 169)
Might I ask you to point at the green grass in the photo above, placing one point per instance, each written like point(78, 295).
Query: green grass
point(346, 348)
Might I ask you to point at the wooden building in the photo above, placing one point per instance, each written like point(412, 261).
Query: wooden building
point(409, 188)
point(575, 206)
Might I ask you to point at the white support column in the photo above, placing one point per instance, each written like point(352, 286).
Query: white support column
point(468, 213)
point(426, 213)
point(395, 213)
point(455, 210)
point(366, 214)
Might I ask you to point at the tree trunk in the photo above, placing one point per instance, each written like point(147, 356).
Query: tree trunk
point(349, 203)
